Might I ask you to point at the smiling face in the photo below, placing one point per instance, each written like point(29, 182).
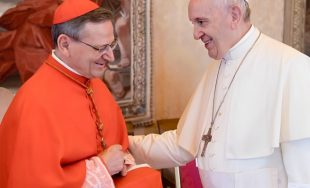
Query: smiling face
point(212, 25)
point(86, 60)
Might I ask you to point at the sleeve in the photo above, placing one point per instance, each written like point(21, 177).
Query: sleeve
point(97, 176)
point(159, 151)
point(296, 101)
point(296, 155)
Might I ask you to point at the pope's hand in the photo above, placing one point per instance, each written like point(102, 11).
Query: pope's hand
point(113, 157)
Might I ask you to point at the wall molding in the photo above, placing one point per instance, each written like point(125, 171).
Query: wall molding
point(294, 23)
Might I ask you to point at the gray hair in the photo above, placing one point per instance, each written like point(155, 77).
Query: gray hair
point(244, 5)
point(73, 27)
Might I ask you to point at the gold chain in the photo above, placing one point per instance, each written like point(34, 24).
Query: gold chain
point(223, 99)
point(208, 137)
point(89, 91)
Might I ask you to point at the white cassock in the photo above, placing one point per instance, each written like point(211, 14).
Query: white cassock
point(261, 136)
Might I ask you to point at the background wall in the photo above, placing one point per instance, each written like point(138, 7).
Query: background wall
point(179, 61)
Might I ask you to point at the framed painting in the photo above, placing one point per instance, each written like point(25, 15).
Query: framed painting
point(294, 23)
point(129, 76)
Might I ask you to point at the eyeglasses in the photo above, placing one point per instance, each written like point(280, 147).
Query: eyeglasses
point(103, 48)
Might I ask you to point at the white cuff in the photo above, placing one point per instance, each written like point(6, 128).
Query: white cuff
point(97, 176)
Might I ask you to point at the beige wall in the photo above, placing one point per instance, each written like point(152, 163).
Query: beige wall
point(268, 17)
point(179, 61)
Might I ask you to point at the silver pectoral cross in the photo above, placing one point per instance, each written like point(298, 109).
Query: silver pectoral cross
point(206, 138)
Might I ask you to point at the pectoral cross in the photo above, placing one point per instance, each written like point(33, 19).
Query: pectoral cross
point(206, 138)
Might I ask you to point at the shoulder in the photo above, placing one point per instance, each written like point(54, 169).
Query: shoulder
point(98, 84)
point(278, 48)
point(101, 92)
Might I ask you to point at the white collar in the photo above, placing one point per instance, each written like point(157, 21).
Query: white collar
point(239, 49)
point(63, 63)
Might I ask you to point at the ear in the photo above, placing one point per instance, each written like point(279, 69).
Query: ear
point(236, 15)
point(64, 43)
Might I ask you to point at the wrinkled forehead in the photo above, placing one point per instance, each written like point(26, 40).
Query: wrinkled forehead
point(201, 8)
point(98, 31)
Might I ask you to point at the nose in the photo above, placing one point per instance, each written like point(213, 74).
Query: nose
point(197, 34)
point(108, 55)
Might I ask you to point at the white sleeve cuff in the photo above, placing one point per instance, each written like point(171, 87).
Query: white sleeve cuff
point(97, 176)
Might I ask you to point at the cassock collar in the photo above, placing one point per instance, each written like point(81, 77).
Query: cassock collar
point(62, 66)
point(239, 49)
point(63, 63)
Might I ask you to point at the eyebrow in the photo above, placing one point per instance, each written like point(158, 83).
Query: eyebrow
point(200, 19)
point(103, 45)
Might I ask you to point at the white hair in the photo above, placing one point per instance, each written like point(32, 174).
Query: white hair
point(244, 5)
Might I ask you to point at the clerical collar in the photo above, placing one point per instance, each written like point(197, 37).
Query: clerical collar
point(63, 63)
point(239, 49)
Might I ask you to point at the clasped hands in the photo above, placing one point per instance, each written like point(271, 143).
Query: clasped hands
point(116, 160)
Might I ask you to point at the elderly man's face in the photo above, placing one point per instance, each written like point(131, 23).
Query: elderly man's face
point(84, 58)
point(211, 25)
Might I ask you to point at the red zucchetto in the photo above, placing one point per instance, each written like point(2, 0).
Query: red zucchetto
point(71, 9)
